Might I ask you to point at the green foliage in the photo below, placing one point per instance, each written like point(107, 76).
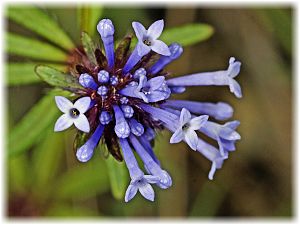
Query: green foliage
point(88, 17)
point(37, 21)
point(23, 73)
point(118, 177)
point(89, 47)
point(188, 34)
point(84, 181)
point(57, 78)
point(32, 48)
point(33, 125)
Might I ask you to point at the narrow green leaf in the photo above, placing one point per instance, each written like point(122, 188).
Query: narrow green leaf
point(89, 47)
point(28, 47)
point(24, 73)
point(185, 35)
point(33, 125)
point(188, 34)
point(18, 170)
point(46, 159)
point(118, 177)
point(85, 181)
point(88, 17)
point(37, 21)
point(57, 78)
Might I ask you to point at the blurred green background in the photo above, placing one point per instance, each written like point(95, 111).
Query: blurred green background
point(256, 181)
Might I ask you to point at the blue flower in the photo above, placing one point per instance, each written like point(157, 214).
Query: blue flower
point(127, 101)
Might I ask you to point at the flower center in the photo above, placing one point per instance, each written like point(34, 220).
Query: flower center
point(185, 126)
point(74, 113)
point(147, 42)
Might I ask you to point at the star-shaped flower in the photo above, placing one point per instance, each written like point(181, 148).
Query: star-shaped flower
point(147, 39)
point(73, 113)
point(187, 128)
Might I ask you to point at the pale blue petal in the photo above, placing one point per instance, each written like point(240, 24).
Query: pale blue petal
point(235, 88)
point(63, 123)
point(83, 104)
point(63, 104)
point(139, 30)
point(155, 30)
point(147, 191)
point(197, 122)
point(191, 139)
point(130, 192)
point(82, 123)
point(160, 47)
point(155, 83)
point(142, 49)
point(185, 116)
point(177, 136)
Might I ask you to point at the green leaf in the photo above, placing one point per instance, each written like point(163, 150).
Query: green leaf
point(23, 73)
point(37, 21)
point(186, 35)
point(33, 125)
point(84, 181)
point(28, 47)
point(89, 17)
point(118, 177)
point(89, 47)
point(57, 78)
point(46, 159)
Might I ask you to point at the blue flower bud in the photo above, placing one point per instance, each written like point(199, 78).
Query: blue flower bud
point(102, 90)
point(114, 80)
point(105, 117)
point(87, 81)
point(103, 76)
point(127, 110)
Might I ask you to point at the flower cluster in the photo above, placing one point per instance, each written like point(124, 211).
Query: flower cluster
point(125, 101)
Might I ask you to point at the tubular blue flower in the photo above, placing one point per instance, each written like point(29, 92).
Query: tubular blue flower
point(212, 154)
point(127, 110)
point(175, 49)
point(135, 127)
point(165, 181)
point(106, 30)
point(105, 117)
point(139, 181)
point(187, 127)
point(122, 129)
point(224, 77)
point(147, 41)
point(103, 76)
point(87, 81)
point(73, 114)
point(225, 134)
point(86, 151)
point(125, 96)
point(102, 91)
point(220, 110)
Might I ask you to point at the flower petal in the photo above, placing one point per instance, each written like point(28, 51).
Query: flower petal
point(191, 139)
point(83, 104)
point(139, 30)
point(177, 136)
point(155, 82)
point(82, 123)
point(142, 49)
point(151, 179)
point(63, 122)
point(197, 122)
point(147, 191)
point(234, 87)
point(63, 104)
point(130, 192)
point(185, 116)
point(160, 47)
point(155, 29)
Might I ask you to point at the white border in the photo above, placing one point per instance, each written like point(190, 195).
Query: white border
point(212, 3)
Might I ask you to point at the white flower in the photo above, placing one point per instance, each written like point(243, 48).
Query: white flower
point(73, 113)
point(187, 128)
